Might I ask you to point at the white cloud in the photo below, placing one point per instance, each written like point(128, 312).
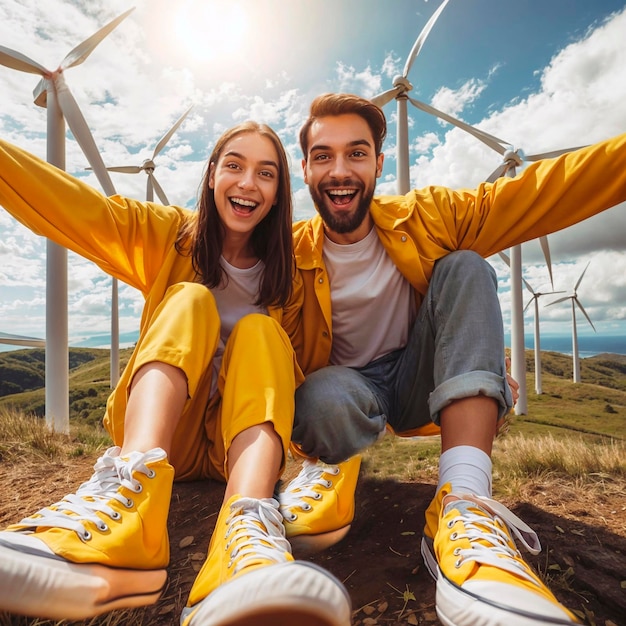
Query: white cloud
point(454, 101)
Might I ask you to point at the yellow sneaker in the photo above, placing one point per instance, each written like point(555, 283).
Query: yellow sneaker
point(318, 504)
point(483, 578)
point(432, 515)
point(104, 547)
point(250, 576)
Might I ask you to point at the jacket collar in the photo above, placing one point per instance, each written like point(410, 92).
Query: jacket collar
point(388, 212)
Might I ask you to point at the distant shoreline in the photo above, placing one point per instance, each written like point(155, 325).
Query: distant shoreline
point(588, 345)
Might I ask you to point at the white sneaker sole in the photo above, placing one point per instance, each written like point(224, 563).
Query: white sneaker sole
point(458, 607)
point(40, 586)
point(289, 594)
point(304, 545)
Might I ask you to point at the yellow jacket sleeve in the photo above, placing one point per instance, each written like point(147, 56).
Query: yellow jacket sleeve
point(126, 238)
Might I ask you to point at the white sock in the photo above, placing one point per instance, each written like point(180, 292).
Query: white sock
point(467, 469)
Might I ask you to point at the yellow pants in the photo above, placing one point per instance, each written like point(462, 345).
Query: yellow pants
point(256, 382)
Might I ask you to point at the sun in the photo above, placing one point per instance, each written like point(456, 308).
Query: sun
point(207, 30)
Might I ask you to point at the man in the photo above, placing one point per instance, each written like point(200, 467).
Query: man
point(403, 330)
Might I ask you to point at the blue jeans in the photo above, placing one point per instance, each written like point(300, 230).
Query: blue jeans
point(455, 350)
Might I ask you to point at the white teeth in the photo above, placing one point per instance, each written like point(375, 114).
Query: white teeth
point(242, 202)
point(341, 192)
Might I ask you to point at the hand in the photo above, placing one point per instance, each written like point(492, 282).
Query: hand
point(513, 384)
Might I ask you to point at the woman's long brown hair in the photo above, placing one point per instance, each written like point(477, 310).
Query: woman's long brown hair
point(202, 236)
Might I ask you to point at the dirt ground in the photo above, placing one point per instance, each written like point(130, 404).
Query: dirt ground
point(583, 537)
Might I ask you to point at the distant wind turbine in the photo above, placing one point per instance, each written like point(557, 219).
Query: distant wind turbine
point(575, 303)
point(53, 93)
point(537, 344)
point(148, 166)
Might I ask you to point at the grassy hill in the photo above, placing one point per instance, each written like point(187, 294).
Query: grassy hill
point(595, 407)
point(22, 379)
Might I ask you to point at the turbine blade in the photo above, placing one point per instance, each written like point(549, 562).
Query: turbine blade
point(529, 303)
point(171, 131)
point(419, 42)
point(149, 188)
point(543, 242)
point(528, 286)
point(505, 257)
point(157, 188)
point(559, 300)
point(22, 340)
point(84, 49)
point(551, 154)
point(18, 61)
point(500, 171)
point(124, 169)
point(386, 96)
point(580, 306)
point(581, 277)
point(489, 140)
point(82, 134)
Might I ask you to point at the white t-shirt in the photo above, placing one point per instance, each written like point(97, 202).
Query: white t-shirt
point(234, 300)
point(372, 303)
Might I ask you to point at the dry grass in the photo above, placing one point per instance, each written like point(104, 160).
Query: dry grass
point(519, 456)
point(28, 437)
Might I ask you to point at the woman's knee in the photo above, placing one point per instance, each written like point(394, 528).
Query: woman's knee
point(191, 295)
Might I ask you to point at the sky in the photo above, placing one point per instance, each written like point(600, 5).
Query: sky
point(540, 74)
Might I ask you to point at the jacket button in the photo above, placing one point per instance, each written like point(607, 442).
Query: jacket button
point(320, 280)
point(403, 238)
point(324, 333)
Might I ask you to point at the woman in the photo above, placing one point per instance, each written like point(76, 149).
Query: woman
point(208, 393)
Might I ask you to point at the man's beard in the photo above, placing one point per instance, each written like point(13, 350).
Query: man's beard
point(341, 223)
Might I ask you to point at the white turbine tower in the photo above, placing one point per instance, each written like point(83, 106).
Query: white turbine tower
point(148, 166)
point(400, 91)
point(53, 93)
point(535, 300)
point(575, 303)
point(537, 344)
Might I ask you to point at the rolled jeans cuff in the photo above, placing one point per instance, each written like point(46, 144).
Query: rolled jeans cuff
point(469, 384)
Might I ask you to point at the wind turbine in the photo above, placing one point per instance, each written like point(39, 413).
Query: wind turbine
point(399, 92)
point(533, 300)
point(53, 93)
point(148, 165)
point(575, 303)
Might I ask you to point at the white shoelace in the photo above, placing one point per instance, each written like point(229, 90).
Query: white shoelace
point(110, 473)
point(500, 550)
point(303, 486)
point(256, 531)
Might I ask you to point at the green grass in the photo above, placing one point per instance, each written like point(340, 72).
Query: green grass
point(89, 384)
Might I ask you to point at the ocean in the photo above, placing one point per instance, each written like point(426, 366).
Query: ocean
point(588, 345)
